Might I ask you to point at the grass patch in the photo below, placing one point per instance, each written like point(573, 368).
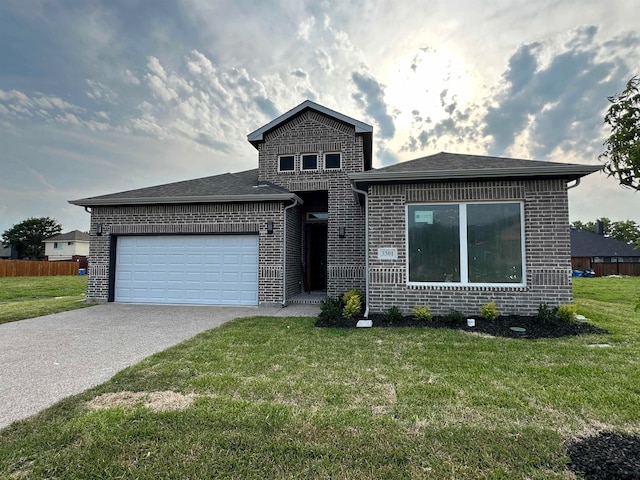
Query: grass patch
point(277, 398)
point(29, 297)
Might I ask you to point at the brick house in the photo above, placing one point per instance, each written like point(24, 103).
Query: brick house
point(447, 230)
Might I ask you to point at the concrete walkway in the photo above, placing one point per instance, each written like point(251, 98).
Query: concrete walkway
point(43, 360)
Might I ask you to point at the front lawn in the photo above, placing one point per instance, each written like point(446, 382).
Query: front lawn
point(29, 297)
point(278, 398)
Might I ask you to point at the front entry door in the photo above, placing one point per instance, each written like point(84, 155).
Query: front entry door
point(316, 241)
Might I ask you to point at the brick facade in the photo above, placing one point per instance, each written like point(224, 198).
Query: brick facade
point(218, 218)
point(547, 243)
point(313, 132)
point(547, 247)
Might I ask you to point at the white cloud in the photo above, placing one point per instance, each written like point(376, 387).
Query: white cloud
point(304, 28)
point(130, 78)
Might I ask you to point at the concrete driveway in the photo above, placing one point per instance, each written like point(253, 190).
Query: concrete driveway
point(43, 360)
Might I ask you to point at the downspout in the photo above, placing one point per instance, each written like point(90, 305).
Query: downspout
point(366, 247)
point(284, 252)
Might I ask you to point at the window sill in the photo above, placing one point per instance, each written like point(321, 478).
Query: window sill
point(496, 287)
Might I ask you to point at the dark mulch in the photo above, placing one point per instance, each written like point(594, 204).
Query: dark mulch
point(606, 456)
point(498, 328)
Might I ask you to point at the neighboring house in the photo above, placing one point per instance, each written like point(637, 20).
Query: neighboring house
point(8, 253)
point(603, 255)
point(67, 246)
point(447, 230)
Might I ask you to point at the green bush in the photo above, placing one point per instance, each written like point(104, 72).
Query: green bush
point(331, 309)
point(393, 315)
point(489, 311)
point(352, 293)
point(545, 314)
point(454, 316)
point(422, 313)
point(566, 313)
point(353, 299)
point(352, 307)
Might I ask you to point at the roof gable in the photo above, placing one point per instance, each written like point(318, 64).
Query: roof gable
point(257, 136)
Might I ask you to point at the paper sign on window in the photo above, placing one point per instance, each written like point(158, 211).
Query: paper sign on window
point(423, 216)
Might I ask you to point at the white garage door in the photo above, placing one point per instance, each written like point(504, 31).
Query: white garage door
point(187, 269)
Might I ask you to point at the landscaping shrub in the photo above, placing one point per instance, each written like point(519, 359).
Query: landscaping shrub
point(393, 315)
point(489, 311)
point(454, 316)
point(545, 314)
point(352, 307)
point(422, 313)
point(352, 293)
point(331, 309)
point(566, 313)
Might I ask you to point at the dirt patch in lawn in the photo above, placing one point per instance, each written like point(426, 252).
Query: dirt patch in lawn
point(500, 327)
point(605, 456)
point(157, 401)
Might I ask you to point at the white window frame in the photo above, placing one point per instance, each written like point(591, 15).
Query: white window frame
point(464, 267)
point(324, 160)
point(57, 245)
point(302, 169)
point(294, 163)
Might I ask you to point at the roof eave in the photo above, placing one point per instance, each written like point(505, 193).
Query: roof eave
point(570, 172)
point(94, 202)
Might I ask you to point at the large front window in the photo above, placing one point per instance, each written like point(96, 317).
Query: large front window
point(467, 243)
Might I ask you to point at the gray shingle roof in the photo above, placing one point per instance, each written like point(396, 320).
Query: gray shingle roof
point(454, 166)
point(76, 235)
point(589, 244)
point(228, 187)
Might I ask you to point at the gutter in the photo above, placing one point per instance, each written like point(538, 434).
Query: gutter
point(476, 173)
point(366, 247)
point(90, 202)
point(569, 187)
point(296, 201)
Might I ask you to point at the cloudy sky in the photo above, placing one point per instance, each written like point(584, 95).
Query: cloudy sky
point(103, 96)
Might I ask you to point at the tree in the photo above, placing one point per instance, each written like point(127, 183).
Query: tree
point(622, 148)
point(27, 236)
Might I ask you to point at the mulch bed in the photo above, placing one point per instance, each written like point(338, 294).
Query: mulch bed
point(498, 328)
point(606, 456)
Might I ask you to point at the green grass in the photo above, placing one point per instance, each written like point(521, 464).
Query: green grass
point(29, 297)
point(278, 398)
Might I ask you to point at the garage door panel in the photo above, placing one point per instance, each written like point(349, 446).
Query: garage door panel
point(203, 269)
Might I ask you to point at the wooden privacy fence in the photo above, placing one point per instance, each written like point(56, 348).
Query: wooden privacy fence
point(604, 269)
point(28, 268)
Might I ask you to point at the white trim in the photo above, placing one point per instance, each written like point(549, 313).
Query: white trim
point(309, 154)
point(294, 163)
point(463, 252)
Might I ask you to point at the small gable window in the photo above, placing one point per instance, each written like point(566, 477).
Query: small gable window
point(332, 161)
point(286, 163)
point(310, 162)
